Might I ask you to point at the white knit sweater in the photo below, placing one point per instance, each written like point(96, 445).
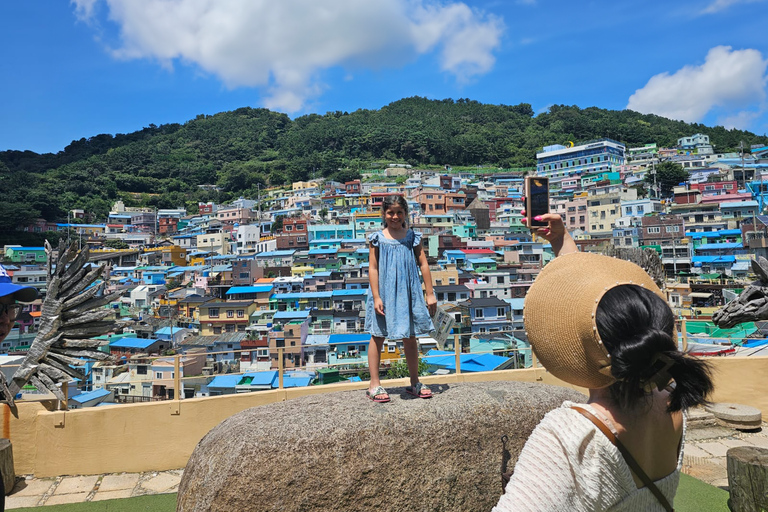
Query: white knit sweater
point(569, 465)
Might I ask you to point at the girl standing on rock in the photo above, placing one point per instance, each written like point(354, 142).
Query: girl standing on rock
point(396, 308)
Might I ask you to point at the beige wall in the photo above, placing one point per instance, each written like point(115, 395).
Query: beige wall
point(162, 435)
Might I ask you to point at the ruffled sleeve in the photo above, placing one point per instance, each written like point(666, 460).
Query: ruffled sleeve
point(373, 239)
point(416, 239)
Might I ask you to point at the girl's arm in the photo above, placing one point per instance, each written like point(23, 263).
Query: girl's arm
point(421, 259)
point(373, 278)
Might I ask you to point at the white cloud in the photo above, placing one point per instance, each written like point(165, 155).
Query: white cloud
point(721, 5)
point(730, 80)
point(740, 120)
point(283, 46)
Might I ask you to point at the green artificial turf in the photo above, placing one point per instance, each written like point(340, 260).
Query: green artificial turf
point(692, 496)
point(153, 503)
point(696, 496)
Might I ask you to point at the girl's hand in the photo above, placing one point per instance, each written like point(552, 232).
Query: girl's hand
point(378, 306)
point(431, 304)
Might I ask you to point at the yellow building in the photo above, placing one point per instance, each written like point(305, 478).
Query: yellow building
point(217, 317)
point(174, 255)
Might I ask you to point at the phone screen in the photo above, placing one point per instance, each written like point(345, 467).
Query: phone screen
point(538, 190)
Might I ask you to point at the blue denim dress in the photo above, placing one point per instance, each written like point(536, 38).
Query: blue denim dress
point(405, 312)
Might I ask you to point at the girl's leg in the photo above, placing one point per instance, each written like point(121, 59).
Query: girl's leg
point(374, 358)
point(411, 347)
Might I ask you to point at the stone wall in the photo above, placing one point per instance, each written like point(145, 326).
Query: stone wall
point(340, 451)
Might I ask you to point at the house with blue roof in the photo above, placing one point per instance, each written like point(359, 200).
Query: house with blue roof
point(259, 293)
point(445, 362)
point(174, 335)
point(739, 209)
point(130, 346)
point(316, 350)
point(348, 348)
point(90, 399)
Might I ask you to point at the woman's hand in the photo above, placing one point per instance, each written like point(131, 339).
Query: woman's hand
point(554, 232)
point(378, 306)
point(431, 304)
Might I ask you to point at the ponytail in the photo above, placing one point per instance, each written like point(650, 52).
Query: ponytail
point(637, 328)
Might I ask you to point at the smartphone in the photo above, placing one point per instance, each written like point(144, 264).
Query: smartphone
point(536, 199)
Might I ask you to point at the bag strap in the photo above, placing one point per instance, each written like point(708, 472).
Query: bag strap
point(631, 462)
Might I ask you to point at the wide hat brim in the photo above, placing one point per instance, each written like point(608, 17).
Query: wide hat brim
point(559, 314)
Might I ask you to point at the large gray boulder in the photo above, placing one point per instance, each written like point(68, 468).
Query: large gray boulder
point(340, 451)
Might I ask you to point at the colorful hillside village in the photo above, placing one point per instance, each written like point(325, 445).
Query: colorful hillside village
point(271, 291)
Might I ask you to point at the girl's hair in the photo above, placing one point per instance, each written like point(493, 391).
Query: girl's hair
point(394, 200)
point(637, 327)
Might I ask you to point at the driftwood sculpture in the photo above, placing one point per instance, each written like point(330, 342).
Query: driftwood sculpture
point(73, 313)
point(751, 305)
point(647, 259)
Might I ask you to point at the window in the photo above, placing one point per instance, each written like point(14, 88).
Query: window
point(499, 279)
point(213, 312)
point(217, 330)
point(672, 229)
point(240, 313)
point(654, 229)
point(478, 313)
point(230, 313)
point(299, 227)
point(141, 370)
point(500, 312)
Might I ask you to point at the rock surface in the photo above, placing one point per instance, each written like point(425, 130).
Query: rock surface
point(340, 451)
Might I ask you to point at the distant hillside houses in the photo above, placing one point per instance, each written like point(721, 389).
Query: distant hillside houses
point(280, 282)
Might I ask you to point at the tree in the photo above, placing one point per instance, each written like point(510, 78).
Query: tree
point(668, 176)
point(323, 213)
point(399, 369)
point(277, 226)
point(115, 243)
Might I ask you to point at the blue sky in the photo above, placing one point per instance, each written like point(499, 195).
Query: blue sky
point(72, 70)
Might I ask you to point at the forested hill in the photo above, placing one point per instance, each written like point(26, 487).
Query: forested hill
point(162, 165)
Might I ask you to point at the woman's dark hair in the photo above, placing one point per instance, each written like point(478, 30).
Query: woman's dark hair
point(635, 326)
point(394, 200)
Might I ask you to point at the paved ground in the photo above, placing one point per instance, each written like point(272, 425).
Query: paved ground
point(32, 492)
point(705, 449)
point(706, 446)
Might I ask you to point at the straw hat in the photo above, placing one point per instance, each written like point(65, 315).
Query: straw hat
point(559, 314)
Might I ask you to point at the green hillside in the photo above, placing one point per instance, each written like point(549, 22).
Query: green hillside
point(162, 166)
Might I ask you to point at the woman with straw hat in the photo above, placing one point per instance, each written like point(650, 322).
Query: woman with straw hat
point(602, 323)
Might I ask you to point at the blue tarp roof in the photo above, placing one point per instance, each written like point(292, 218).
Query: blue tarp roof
point(712, 234)
point(755, 343)
point(291, 314)
point(469, 362)
point(724, 245)
point(133, 343)
point(349, 338)
point(302, 295)
point(736, 204)
point(225, 381)
point(295, 379)
point(91, 395)
point(270, 254)
point(342, 293)
point(322, 251)
point(168, 330)
point(713, 259)
point(262, 378)
point(261, 288)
